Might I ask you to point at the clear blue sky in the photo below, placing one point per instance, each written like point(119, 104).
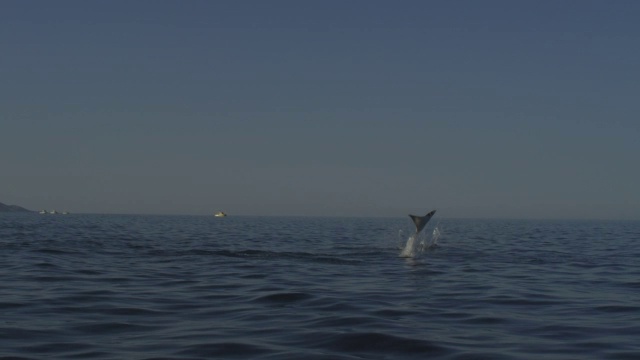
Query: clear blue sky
point(364, 108)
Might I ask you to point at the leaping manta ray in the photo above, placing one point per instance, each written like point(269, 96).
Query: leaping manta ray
point(420, 222)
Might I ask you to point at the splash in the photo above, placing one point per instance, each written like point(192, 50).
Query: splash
point(410, 248)
point(429, 243)
point(417, 244)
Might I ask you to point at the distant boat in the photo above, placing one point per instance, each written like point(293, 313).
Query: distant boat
point(220, 214)
point(53, 212)
point(65, 213)
point(43, 211)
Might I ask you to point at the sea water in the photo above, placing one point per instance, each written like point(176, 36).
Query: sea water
point(196, 287)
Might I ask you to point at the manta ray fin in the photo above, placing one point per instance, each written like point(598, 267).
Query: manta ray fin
point(421, 221)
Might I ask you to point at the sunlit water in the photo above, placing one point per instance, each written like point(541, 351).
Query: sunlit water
point(170, 287)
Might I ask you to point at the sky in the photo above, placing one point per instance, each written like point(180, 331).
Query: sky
point(482, 109)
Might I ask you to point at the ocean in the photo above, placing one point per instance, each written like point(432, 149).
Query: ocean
point(199, 287)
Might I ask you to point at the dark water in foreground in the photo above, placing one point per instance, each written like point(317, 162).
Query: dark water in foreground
point(168, 287)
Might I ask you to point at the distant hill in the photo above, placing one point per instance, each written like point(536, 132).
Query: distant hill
point(12, 208)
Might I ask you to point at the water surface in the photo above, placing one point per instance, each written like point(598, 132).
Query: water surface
point(189, 287)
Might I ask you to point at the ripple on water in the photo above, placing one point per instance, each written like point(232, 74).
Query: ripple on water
point(226, 350)
point(375, 343)
point(616, 309)
point(283, 298)
point(58, 348)
point(102, 328)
